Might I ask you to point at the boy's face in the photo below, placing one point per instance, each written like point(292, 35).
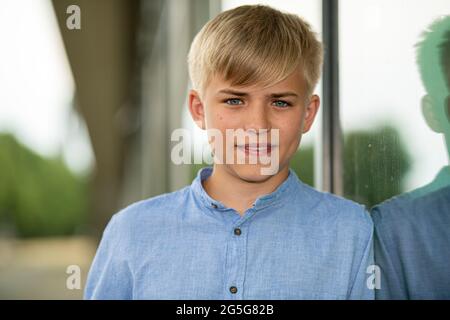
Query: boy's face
point(283, 107)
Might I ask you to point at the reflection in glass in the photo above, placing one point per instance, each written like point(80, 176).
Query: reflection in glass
point(413, 229)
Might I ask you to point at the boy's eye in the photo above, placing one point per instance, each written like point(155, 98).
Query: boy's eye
point(234, 102)
point(281, 104)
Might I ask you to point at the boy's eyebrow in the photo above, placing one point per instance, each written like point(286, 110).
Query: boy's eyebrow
point(244, 94)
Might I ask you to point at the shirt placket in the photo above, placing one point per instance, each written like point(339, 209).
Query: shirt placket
point(236, 260)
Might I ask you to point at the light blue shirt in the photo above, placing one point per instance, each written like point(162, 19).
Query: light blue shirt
point(294, 243)
point(412, 242)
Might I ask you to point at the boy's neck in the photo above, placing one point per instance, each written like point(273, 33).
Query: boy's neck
point(239, 194)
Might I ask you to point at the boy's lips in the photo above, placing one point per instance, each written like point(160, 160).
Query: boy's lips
point(257, 149)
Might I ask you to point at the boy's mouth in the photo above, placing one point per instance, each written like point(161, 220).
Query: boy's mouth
point(256, 149)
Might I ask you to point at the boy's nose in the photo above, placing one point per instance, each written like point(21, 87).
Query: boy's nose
point(256, 119)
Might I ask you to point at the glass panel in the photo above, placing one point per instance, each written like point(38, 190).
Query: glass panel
point(389, 148)
point(395, 106)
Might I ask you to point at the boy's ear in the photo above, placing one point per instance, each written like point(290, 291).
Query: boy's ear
point(197, 109)
point(310, 112)
point(429, 114)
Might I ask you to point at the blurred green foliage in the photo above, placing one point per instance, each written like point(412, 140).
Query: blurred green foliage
point(39, 196)
point(303, 164)
point(375, 164)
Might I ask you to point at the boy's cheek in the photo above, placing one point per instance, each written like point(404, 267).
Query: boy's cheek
point(221, 120)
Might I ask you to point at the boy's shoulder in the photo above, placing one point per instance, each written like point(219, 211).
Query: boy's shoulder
point(151, 211)
point(413, 209)
point(325, 206)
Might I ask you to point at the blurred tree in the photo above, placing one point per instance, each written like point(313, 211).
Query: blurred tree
point(39, 196)
point(375, 164)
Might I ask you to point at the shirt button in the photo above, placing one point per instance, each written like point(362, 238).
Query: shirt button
point(214, 205)
point(233, 290)
point(237, 231)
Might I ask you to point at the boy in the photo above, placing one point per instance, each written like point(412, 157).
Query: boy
point(236, 233)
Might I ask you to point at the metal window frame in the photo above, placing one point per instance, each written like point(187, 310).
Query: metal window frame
point(331, 133)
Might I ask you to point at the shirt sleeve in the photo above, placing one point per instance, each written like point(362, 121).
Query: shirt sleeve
point(361, 290)
point(391, 283)
point(110, 277)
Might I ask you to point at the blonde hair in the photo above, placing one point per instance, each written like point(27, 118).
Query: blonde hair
point(255, 44)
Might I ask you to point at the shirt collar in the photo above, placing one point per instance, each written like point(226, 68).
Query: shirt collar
point(280, 193)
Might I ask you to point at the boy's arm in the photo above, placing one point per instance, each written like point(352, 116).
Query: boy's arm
point(387, 260)
point(109, 276)
point(360, 289)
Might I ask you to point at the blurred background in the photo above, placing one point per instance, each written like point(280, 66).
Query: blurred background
point(86, 117)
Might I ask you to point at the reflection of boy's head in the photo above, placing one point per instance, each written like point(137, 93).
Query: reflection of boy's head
point(446, 63)
point(433, 58)
point(254, 45)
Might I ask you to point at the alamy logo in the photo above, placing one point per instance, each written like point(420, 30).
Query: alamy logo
point(239, 146)
point(374, 279)
point(73, 22)
point(73, 281)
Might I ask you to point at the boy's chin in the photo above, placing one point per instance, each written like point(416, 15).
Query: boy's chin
point(253, 172)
